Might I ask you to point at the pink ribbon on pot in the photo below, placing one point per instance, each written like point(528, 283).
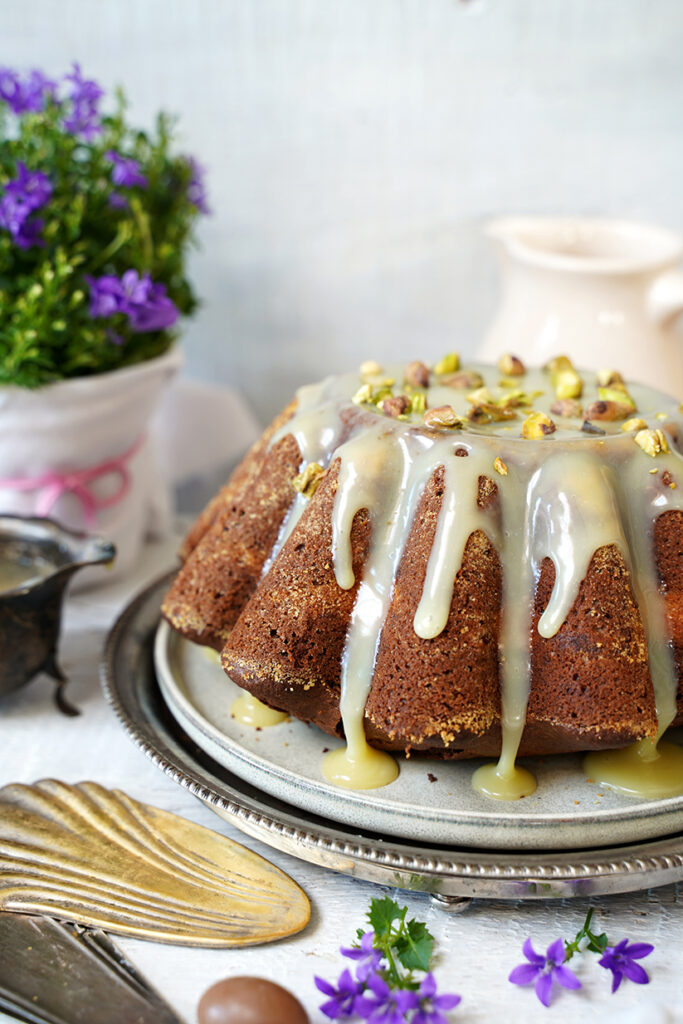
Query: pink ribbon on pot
point(78, 482)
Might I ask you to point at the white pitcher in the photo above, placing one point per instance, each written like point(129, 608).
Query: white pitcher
point(604, 292)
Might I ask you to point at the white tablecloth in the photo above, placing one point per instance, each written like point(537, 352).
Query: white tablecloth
point(476, 949)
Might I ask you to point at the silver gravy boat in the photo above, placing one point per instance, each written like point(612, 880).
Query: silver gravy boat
point(38, 557)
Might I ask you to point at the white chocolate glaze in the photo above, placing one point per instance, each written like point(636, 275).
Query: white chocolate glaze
point(561, 497)
point(249, 710)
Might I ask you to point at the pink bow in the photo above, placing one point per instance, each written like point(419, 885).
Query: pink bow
point(53, 485)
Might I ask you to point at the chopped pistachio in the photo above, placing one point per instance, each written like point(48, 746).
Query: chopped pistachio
point(500, 466)
point(479, 415)
point(653, 442)
point(567, 408)
point(661, 416)
point(479, 395)
point(416, 374)
point(485, 412)
point(442, 416)
point(395, 405)
point(653, 472)
point(537, 426)
point(607, 410)
point(511, 365)
point(418, 402)
point(592, 428)
point(609, 378)
point(363, 396)
point(616, 394)
point(370, 368)
point(449, 363)
point(308, 481)
point(635, 423)
point(464, 379)
point(514, 399)
point(565, 379)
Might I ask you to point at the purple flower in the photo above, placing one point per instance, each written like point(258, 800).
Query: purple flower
point(544, 970)
point(431, 1004)
point(27, 96)
point(196, 189)
point(84, 117)
point(620, 959)
point(117, 201)
point(146, 304)
point(126, 171)
point(387, 1007)
point(369, 956)
point(22, 196)
point(106, 295)
point(342, 998)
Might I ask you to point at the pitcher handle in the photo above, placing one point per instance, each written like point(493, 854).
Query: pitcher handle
point(665, 299)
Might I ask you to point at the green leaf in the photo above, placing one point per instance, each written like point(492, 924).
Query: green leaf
point(414, 946)
point(381, 916)
point(598, 943)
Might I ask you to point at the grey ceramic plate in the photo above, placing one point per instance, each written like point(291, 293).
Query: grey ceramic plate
point(451, 873)
point(431, 801)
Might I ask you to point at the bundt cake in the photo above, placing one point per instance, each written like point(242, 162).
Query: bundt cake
point(456, 561)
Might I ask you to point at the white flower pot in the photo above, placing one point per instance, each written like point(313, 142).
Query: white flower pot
point(78, 451)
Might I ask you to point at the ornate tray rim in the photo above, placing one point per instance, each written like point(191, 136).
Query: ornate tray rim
point(446, 872)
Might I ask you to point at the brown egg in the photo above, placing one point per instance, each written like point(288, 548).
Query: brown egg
point(249, 1001)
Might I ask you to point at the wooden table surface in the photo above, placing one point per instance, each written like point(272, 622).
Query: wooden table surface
point(476, 949)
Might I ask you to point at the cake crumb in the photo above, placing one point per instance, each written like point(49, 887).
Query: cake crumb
point(326, 750)
point(431, 777)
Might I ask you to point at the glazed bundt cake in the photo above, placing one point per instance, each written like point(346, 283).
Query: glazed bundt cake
point(455, 561)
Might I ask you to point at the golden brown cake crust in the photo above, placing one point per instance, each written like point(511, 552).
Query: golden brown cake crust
point(224, 566)
point(590, 683)
point(668, 547)
point(286, 647)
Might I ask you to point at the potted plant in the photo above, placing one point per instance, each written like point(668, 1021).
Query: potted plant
point(95, 222)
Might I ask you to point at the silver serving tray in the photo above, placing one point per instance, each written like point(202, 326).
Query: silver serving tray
point(431, 802)
point(449, 873)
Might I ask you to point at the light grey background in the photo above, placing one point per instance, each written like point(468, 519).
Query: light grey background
point(356, 147)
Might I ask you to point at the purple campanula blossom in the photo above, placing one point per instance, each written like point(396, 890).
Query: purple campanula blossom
point(31, 188)
point(620, 959)
point(28, 96)
point(117, 201)
point(342, 999)
point(196, 189)
point(83, 118)
point(369, 958)
point(21, 197)
point(146, 304)
point(106, 295)
point(126, 171)
point(388, 1006)
point(29, 234)
point(544, 971)
point(431, 1004)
